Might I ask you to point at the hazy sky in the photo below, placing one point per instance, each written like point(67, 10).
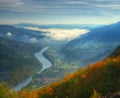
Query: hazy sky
point(59, 11)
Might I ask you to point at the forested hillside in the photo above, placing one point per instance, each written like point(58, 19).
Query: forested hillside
point(17, 61)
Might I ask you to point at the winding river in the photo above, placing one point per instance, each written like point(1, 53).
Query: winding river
point(45, 64)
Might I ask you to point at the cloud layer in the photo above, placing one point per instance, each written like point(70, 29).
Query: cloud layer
point(60, 34)
point(59, 11)
point(60, 6)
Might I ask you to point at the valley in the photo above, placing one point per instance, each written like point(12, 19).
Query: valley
point(101, 79)
point(39, 59)
point(59, 48)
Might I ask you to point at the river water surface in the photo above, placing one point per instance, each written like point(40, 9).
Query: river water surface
point(45, 64)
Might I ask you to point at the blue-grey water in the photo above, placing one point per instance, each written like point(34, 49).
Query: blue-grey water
point(45, 64)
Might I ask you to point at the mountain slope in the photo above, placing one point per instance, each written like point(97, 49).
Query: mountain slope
point(93, 46)
point(17, 60)
point(102, 77)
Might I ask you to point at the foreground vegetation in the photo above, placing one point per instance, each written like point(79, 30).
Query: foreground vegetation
point(94, 81)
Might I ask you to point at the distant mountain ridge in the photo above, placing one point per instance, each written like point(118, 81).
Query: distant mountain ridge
point(20, 34)
point(60, 26)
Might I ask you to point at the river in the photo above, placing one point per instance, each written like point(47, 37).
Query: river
point(45, 64)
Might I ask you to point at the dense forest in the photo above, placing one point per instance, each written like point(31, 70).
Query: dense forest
point(94, 81)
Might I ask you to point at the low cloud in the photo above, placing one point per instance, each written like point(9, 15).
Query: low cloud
point(9, 34)
point(60, 34)
point(33, 40)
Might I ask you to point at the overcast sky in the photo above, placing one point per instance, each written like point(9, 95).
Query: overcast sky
point(59, 11)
